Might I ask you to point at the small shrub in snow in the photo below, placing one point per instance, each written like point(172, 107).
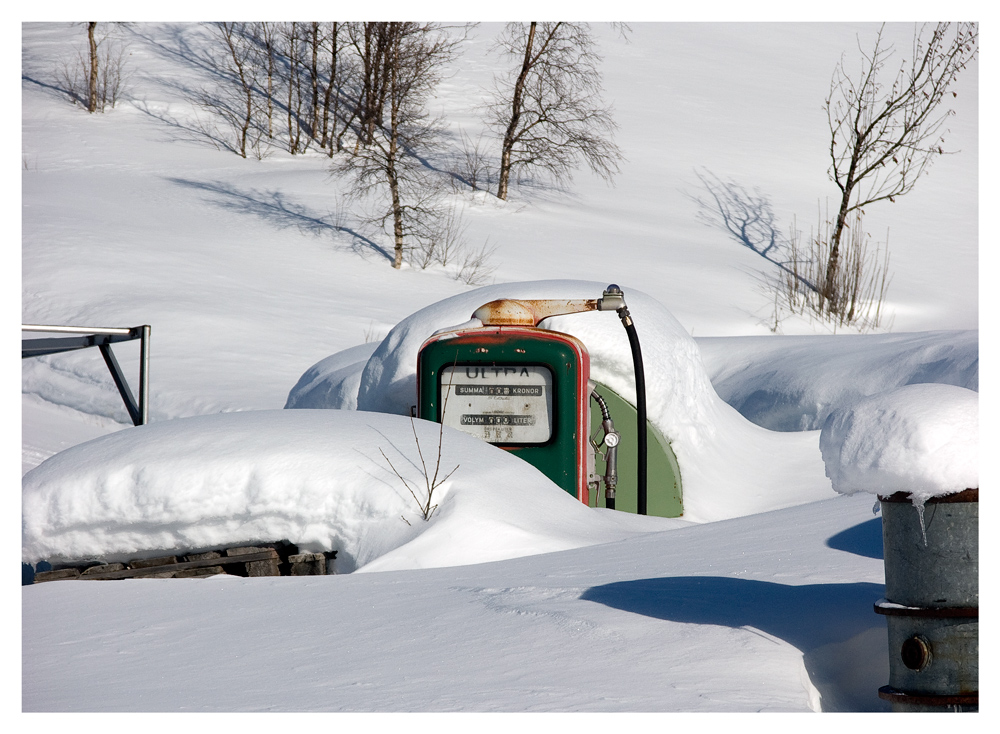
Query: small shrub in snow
point(98, 79)
point(430, 482)
point(861, 279)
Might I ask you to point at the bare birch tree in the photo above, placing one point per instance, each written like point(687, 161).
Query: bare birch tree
point(242, 66)
point(371, 42)
point(331, 95)
point(92, 85)
point(239, 98)
point(548, 107)
point(884, 137)
point(265, 33)
point(269, 72)
point(293, 50)
point(402, 64)
point(98, 78)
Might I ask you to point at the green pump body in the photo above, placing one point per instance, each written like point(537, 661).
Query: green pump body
point(527, 390)
point(521, 388)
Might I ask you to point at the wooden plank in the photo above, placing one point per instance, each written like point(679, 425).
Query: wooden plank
point(203, 563)
point(268, 567)
point(202, 556)
point(246, 550)
point(150, 562)
point(62, 573)
point(194, 573)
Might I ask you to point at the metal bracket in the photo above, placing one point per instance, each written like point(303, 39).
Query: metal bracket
point(102, 338)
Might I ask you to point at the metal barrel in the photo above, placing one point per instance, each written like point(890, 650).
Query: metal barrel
point(931, 601)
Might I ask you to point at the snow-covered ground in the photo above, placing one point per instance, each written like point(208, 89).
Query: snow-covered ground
point(707, 618)
point(262, 291)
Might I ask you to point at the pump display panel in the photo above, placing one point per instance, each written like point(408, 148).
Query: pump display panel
point(500, 404)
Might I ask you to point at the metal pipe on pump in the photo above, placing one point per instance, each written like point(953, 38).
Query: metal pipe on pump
point(529, 312)
point(611, 439)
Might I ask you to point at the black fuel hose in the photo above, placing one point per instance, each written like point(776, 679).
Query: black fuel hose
point(640, 409)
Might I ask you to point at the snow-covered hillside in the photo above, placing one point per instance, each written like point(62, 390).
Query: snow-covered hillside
point(263, 289)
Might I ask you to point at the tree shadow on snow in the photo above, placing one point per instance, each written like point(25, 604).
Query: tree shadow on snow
point(52, 87)
point(843, 641)
point(193, 47)
point(745, 216)
point(174, 43)
point(275, 208)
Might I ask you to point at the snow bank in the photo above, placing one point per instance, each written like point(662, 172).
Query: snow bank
point(332, 382)
point(921, 439)
point(727, 464)
point(792, 383)
point(316, 478)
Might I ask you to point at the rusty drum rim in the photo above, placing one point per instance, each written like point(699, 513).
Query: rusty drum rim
point(966, 495)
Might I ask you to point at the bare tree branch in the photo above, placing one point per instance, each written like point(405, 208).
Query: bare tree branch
point(550, 111)
point(403, 63)
point(883, 137)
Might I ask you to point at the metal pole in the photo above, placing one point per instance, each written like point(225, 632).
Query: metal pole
point(75, 329)
point(138, 410)
point(144, 376)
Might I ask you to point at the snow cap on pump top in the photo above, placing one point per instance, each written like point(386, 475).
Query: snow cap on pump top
point(921, 439)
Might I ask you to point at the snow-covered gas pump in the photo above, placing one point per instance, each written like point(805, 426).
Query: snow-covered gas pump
point(528, 390)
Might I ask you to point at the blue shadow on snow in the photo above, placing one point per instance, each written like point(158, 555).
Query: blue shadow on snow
point(842, 640)
point(864, 539)
point(804, 616)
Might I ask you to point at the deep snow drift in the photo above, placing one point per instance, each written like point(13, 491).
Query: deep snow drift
point(316, 478)
point(792, 383)
point(252, 271)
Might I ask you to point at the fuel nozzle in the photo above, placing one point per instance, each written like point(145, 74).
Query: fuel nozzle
point(610, 441)
point(611, 467)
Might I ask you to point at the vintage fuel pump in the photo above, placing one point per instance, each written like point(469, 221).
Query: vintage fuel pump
point(528, 390)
